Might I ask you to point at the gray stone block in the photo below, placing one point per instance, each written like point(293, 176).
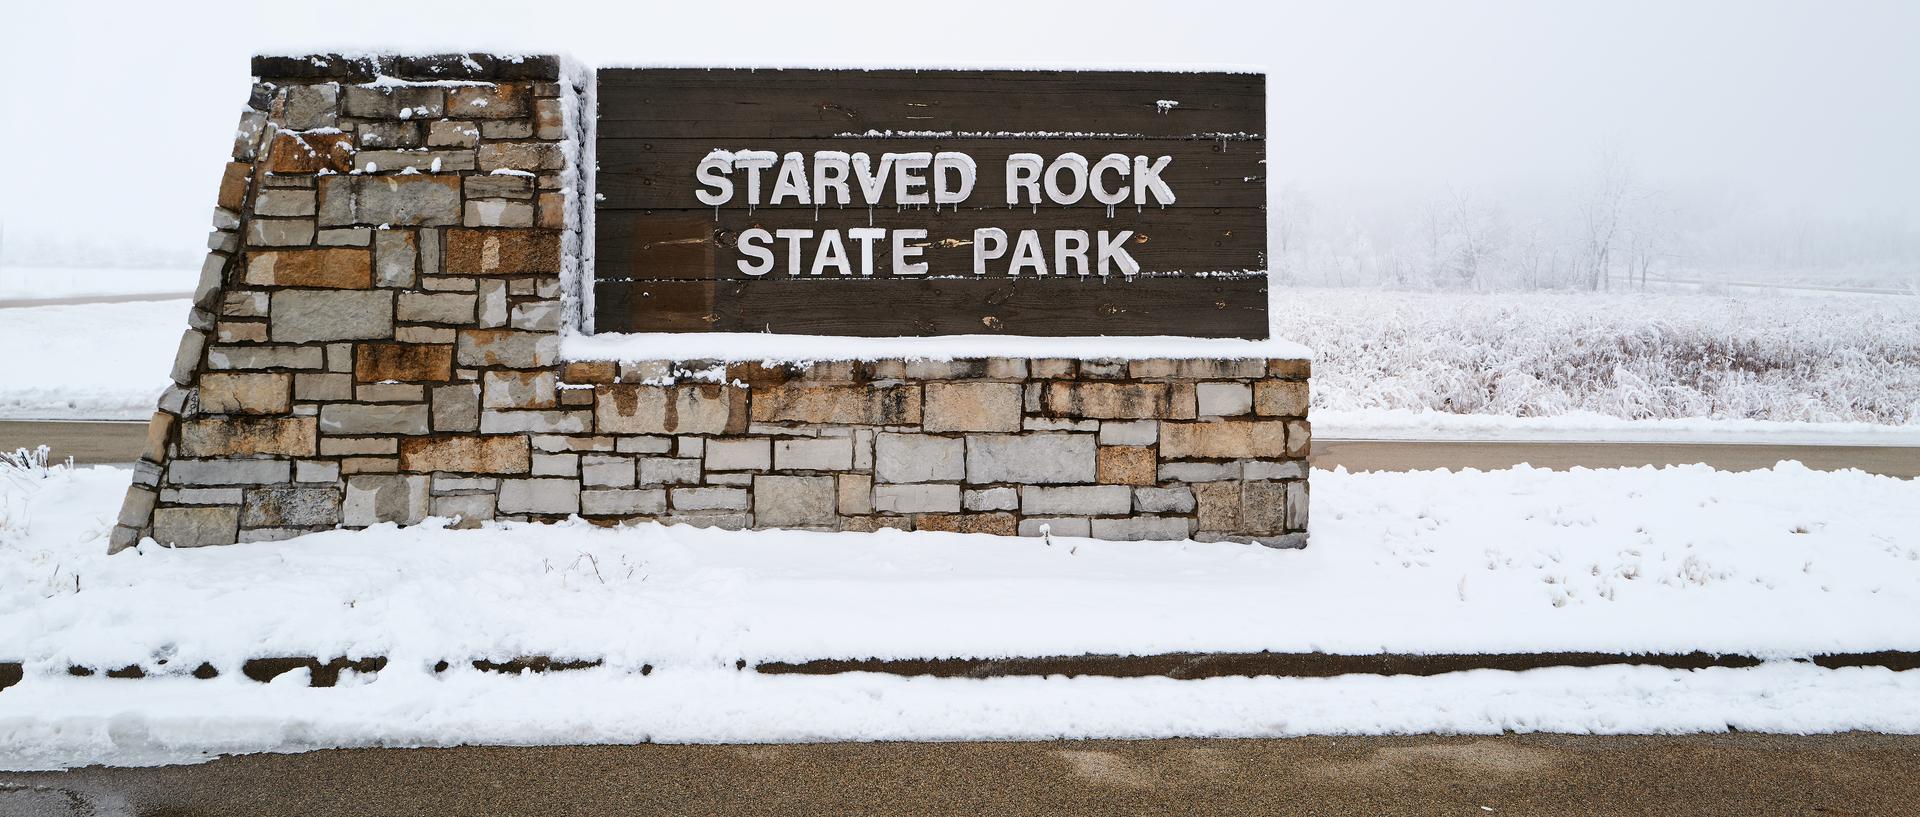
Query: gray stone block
point(375, 498)
point(388, 418)
point(303, 107)
point(1129, 432)
point(535, 422)
point(435, 307)
point(537, 316)
point(1137, 528)
point(290, 507)
point(1224, 399)
point(709, 499)
point(469, 509)
point(254, 358)
point(136, 509)
point(202, 496)
point(1297, 493)
point(629, 502)
point(918, 458)
point(1163, 500)
point(1039, 458)
point(668, 471)
point(280, 232)
point(918, 498)
point(416, 200)
point(816, 454)
point(187, 358)
point(395, 253)
point(1198, 471)
point(193, 527)
point(456, 407)
point(556, 465)
point(304, 315)
point(316, 471)
point(228, 472)
point(606, 472)
point(1055, 526)
point(991, 499)
point(754, 454)
point(543, 496)
point(1275, 469)
point(1076, 500)
point(793, 502)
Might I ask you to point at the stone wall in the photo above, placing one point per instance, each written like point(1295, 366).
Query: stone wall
point(376, 338)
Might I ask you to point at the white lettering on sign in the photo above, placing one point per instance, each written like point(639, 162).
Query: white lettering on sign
point(831, 178)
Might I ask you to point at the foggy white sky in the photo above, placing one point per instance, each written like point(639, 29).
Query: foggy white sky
point(118, 116)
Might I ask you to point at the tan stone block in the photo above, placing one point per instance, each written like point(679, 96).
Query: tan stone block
point(968, 406)
point(246, 436)
point(1106, 401)
point(591, 371)
point(1290, 369)
point(159, 431)
point(369, 465)
point(502, 252)
point(855, 494)
point(1182, 402)
point(1299, 438)
point(626, 408)
point(839, 405)
point(506, 100)
point(519, 390)
point(240, 332)
point(298, 153)
point(1224, 439)
point(1205, 368)
point(325, 268)
point(998, 524)
point(357, 446)
point(1218, 505)
point(1126, 465)
point(405, 362)
point(232, 393)
point(869, 524)
point(1280, 398)
point(390, 393)
point(1263, 507)
point(553, 211)
point(506, 454)
point(233, 186)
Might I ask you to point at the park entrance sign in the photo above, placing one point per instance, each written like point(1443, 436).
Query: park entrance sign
point(881, 203)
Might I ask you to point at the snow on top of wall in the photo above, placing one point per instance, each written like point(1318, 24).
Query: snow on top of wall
point(748, 346)
point(1037, 65)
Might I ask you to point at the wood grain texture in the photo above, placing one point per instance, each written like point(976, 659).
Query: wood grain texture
point(1219, 307)
point(652, 103)
point(665, 263)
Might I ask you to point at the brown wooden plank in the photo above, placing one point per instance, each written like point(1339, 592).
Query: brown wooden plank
point(695, 244)
point(654, 103)
point(1205, 307)
point(659, 173)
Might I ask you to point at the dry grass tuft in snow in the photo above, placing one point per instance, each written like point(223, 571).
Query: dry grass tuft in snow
point(1636, 356)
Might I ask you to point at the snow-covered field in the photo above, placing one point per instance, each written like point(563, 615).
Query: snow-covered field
point(1778, 563)
point(1762, 356)
point(68, 282)
point(87, 361)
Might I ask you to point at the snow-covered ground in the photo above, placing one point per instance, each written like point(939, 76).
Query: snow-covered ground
point(88, 361)
point(1777, 563)
point(68, 282)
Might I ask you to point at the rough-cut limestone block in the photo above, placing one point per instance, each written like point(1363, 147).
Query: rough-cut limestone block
point(1297, 494)
point(991, 499)
point(343, 419)
point(1280, 398)
point(709, 499)
point(375, 498)
point(193, 527)
point(506, 100)
point(1126, 465)
point(972, 407)
point(1129, 432)
point(266, 357)
point(469, 509)
point(499, 421)
point(918, 458)
point(1082, 500)
point(1176, 499)
point(793, 502)
point(813, 454)
point(1055, 526)
point(303, 316)
point(634, 409)
point(997, 524)
point(306, 107)
point(838, 405)
point(603, 471)
point(1105, 401)
point(752, 454)
point(284, 202)
point(528, 156)
point(623, 502)
point(395, 254)
point(669, 471)
point(855, 494)
point(240, 436)
point(1289, 369)
point(228, 472)
point(917, 498)
point(1224, 399)
point(1272, 469)
point(388, 102)
point(506, 454)
point(502, 252)
point(521, 389)
point(1040, 458)
point(405, 362)
point(1199, 368)
point(294, 154)
point(1218, 505)
point(435, 307)
point(1263, 507)
point(233, 393)
point(507, 348)
point(412, 200)
point(1299, 439)
point(456, 407)
point(1224, 439)
point(542, 496)
point(290, 507)
point(1139, 528)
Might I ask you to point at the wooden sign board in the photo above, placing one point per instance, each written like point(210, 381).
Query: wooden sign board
point(877, 203)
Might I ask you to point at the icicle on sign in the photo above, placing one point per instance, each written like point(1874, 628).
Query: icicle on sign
point(931, 202)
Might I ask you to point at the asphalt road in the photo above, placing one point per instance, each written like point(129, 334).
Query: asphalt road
point(121, 443)
point(1733, 774)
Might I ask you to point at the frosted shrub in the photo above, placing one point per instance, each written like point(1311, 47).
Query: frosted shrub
point(1817, 359)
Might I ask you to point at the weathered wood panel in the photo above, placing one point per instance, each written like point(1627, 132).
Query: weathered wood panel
point(653, 103)
point(656, 173)
point(1222, 307)
point(665, 262)
point(697, 244)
